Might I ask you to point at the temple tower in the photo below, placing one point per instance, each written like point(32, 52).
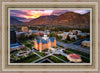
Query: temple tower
point(35, 44)
point(40, 46)
point(54, 41)
point(49, 44)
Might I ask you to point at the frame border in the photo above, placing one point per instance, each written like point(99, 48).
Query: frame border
point(3, 12)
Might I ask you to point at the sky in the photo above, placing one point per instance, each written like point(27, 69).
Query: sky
point(27, 15)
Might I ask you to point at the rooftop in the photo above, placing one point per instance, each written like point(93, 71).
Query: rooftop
point(33, 31)
point(82, 34)
point(86, 41)
point(74, 56)
point(45, 41)
point(15, 45)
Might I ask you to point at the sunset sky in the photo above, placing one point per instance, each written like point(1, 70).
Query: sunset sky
point(27, 15)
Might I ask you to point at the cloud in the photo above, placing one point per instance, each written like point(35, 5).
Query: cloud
point(59, 12)
point(80, 11)
point(30, 13)
point(27, 15)
point(17, 13)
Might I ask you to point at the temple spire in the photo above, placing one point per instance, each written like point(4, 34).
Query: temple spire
point(45, 32)
point(40, 41)
point(35, 39)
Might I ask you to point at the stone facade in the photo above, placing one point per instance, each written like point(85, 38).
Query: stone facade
point(44, 43)
point(42, 46)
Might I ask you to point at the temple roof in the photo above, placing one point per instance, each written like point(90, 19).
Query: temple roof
point(45, 41)
point(74, 56)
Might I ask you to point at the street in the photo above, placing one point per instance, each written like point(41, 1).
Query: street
point(75, 47)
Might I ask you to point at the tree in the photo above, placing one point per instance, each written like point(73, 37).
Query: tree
point(73, 39)
point(22, 37)
point(41, 35)
point(60, 37)
point(65, 41)
point(32, 36)
point(11, 56)
point(52, 34)
point(68, 38)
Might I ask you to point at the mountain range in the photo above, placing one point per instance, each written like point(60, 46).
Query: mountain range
point(68, 19)
point(14, 21)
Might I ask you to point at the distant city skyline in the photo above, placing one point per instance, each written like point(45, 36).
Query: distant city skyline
point(27, 15)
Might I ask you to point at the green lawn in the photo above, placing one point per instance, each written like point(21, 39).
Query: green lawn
point(14, 52)
point(62, 57)
point(28, 59)
point(27, 43)
point(67, 51)
point(55, 59)
point(85, 60)
point(46, 50)
point(11, 56)
point(83, 55)
point(68, 42)
point(77, 52)
point(60, 46)
point(40, 53)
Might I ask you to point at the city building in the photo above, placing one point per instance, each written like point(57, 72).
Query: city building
point(74, 58)
point(60, 34)
point(22, 53)
point(48, 31)
point(24, 29)
point(44, 43)
point(75, 32)
point(12, 36)
point(33, 31)
point(36, 32)
point(73, 36)
point(14, 45)
point(82, 34)
point(65, 35)
point(41, 32)
point(21, 33)
point(86, 43)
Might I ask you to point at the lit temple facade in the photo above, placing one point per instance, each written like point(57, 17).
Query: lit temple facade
point(44, 43)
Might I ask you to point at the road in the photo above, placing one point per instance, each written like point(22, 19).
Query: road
point(80, 41)
point(60, 59)
point(37, 54)
point(50, 54)
point(41, 58)
point(74, 47)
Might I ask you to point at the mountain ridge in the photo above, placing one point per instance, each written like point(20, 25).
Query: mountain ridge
point(14, 21)
point(68, 19)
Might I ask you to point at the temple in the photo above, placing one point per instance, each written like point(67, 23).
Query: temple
point(44, 43)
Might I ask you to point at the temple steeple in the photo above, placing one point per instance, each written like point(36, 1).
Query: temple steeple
point(35, 39)
point(40, 41)
point(40, 45)
point(45, 36)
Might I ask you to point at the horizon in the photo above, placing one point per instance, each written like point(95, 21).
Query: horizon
point(27, 15)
